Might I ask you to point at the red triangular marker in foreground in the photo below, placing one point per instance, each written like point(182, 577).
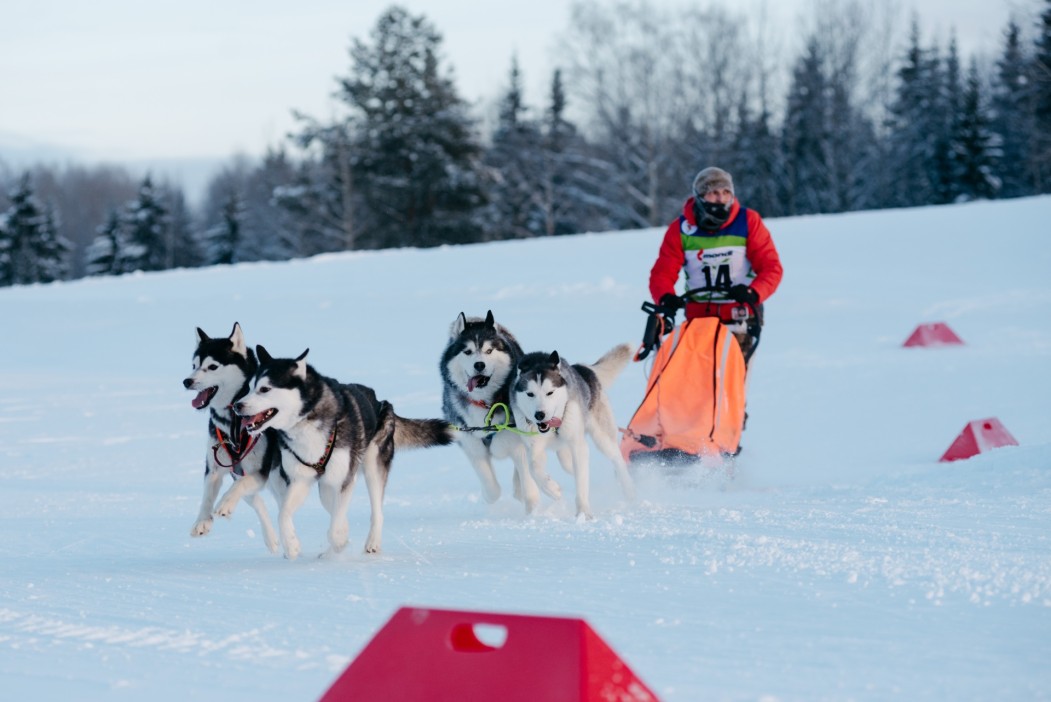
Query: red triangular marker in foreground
point(933, 334)
point(977, 437)
point(434, 655)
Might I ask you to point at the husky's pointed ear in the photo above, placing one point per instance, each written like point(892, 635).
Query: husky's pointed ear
point(459, 324)
point(301, 365)
point(261, 352)
point(489, 321)
point(553, 358)
point(237, 338)
point(201, 336)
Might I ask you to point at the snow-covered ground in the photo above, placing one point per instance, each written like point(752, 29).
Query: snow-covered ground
point(844, 562)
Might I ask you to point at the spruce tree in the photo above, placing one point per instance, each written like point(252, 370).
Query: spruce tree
point(516, 161)
point(1040, 74)
point(805, 135)
point(31, 249)
point(1012, 116)
point(975, 145)
point(101, 253)
point(914, 128)
point(414, 155)
point(143, 243)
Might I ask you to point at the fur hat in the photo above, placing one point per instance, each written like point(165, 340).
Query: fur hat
point(712, 178)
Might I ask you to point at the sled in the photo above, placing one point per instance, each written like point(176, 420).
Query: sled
point(693, 409)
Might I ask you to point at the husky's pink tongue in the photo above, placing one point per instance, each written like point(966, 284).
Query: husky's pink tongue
point(554, 422)
point(202, 399)
point(472, 382)
point(256, 419)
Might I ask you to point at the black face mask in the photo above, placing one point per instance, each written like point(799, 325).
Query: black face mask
point(710, 215)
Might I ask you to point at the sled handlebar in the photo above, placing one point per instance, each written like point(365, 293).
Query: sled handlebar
point(660, 319)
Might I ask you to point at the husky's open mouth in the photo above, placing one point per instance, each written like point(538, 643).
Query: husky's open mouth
point(256, 421)
point(204, 397)
point(545, 427)
point(477, 381)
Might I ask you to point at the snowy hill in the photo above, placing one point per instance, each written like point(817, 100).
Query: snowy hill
point(844, 562)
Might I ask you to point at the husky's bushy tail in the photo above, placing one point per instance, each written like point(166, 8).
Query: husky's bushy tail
point(612, 363)
point(421, 433)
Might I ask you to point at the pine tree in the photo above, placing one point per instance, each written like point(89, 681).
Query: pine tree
point(1040, 155)
point(143, 244)
point(915, 125)
point(516, 160)
point(31, 249)
point(806, 134)
point(224, 241)
point(1012, 116)
point(945, 169)
point(976, 146)
point(566, 196)
point(757, 153)
point(101, 253)
point(414, 155)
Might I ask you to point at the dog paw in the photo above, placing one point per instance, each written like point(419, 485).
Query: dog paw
point(292, 550)
point(551, 489)
point(372, 544)
point(201, 527)
point(226, 508)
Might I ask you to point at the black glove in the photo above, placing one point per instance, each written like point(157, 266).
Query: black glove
point(669, 303)
point(743, 294)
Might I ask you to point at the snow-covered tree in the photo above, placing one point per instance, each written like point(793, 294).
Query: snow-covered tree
point(1040, 154)
point(516, 162)
point(413, 153)
point(101, 253)
point(976, 147)
point(1012, 119)
point(31, 248)
point(143, 241)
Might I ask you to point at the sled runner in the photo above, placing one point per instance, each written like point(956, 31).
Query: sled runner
point(694, 402)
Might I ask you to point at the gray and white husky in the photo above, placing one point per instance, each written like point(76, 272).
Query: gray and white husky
point(221, 370)
point(328, 432)
point(559, 405)
point(476, 367)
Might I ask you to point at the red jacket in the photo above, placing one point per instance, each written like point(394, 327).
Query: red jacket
point(759, 250)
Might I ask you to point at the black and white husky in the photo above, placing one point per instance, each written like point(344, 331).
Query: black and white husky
point(476, 367)
point(222, 368)
point(558, 405)
point(328, 432)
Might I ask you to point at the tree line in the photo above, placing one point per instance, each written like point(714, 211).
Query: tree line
point(642, 101)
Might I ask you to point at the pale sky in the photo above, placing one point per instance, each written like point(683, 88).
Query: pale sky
point(125, 80)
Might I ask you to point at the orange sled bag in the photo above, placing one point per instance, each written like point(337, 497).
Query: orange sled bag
point(694, 402)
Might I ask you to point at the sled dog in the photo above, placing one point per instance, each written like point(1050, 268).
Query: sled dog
point(328, 432)
point(222, 368)
point(558, 405)
point(476, 367)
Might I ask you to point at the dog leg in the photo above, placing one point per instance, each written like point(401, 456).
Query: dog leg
point(565, 459)
point(269, 535)
point(376, 482)
point(213, 480)
point(605, 437)
point(335, 502)
point(478, 454)
point(543, 479)
point(294, 498)
point(580, 473)
point(244, 487)
point(536, 464)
